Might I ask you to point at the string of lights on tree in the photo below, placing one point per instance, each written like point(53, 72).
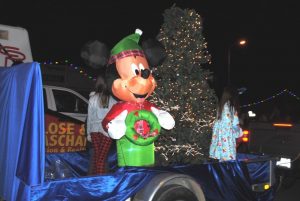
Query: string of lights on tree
point(72, 66)
point(284, 91)
point(169, 151)
point(183, 90)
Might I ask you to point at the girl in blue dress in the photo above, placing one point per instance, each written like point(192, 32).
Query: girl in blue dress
point(226, 127)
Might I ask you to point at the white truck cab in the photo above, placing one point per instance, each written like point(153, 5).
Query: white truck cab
point(65, 101)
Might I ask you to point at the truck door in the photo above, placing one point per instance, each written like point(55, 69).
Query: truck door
point(67, 102)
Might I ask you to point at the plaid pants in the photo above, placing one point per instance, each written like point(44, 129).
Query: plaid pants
point(101, 145)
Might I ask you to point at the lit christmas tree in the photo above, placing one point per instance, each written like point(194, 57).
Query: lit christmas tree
point(183, 89)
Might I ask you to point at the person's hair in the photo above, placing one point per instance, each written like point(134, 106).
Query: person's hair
point(230, 96)
point(102, 89)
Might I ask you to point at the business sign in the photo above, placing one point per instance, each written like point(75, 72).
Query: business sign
point(14, 45)
point(64, 135)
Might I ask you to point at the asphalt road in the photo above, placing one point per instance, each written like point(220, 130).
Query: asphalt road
point(289, 190)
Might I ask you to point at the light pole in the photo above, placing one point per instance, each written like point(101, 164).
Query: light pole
point(240, 43)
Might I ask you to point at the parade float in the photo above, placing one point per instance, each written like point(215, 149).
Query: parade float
point(25, 165)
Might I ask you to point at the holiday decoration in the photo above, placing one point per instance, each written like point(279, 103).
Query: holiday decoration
point(81, 69)
point(134, 122)
point(183, 89)
point(282, 92)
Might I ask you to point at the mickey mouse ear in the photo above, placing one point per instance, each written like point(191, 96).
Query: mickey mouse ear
point(154, 51)
point(95, 54)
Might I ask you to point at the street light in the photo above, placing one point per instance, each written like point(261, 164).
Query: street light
point(240, 43)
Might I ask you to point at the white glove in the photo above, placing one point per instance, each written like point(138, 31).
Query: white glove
point(89, 138)
point(164, 118)
point(117, 127)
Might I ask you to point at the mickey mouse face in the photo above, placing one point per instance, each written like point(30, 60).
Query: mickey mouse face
point(136, 82)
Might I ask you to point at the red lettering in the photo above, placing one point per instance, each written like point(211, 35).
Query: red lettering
point(12, 54)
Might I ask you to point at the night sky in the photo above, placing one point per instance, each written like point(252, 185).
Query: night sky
point(268, 64)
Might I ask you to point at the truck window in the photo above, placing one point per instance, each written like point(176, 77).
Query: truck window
point(69, 102)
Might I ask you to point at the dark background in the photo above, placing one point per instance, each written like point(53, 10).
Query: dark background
point(268, 64)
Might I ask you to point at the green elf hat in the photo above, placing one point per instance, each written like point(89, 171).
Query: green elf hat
point(128, 46)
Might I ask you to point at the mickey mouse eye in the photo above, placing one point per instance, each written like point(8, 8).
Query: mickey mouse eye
point(141, 67)
point(135, 69)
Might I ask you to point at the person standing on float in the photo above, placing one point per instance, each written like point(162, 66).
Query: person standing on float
point(100, 102)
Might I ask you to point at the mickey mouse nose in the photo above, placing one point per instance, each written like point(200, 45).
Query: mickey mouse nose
point(145, 73)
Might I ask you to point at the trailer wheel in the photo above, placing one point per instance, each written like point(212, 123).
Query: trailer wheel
point(174, 193)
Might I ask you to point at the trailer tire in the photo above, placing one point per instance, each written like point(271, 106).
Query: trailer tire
point(174, 192)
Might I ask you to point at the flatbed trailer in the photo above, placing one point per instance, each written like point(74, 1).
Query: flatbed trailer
point(25, 161)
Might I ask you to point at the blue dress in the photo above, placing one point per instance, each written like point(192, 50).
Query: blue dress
point(225, 131)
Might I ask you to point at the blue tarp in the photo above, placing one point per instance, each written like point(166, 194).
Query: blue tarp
point(22, 148)
point(226, 181)
point(22, 156)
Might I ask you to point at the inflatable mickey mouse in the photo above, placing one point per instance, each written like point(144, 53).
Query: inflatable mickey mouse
point(135, 122)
